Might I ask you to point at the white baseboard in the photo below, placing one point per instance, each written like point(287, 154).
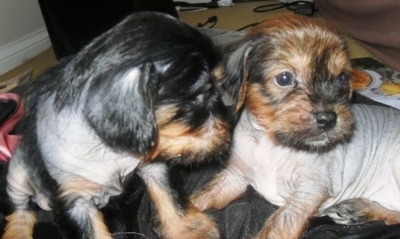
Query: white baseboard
point(23, 49)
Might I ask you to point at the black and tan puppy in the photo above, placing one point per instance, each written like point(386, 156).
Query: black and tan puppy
point(297, 117)
point(137, 98)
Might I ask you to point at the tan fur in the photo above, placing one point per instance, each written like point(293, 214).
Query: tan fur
point(100, 227)
point(205, 197)
point(218, 73)
point(297, 215)
point(175, 223)
point(178, 139)
point(376, 212)
point(79, 186)
point(20, 225)
point(165, 113)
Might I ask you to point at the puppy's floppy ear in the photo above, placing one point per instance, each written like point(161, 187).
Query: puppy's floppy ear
point(120, 109)
point(235, 73)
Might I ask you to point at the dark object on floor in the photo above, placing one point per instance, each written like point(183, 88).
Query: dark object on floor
point(73, 23)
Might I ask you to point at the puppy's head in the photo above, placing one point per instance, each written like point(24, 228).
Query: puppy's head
point(297, 72)
point(149, 90)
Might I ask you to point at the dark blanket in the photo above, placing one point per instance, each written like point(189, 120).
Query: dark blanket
point(130, 215)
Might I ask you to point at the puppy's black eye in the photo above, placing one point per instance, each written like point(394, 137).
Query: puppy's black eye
point(284, 79)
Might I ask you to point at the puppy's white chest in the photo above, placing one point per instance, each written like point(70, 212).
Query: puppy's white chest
point(271, 169)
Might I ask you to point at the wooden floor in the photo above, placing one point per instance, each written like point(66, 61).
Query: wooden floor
point(36, 65)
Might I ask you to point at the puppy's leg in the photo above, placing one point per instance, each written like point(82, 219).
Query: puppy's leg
point(20, 225)
point(21, 222)
point(360, 210)
point(175, 222)
point(290, 220)
point(82, 216)
point(223, 188)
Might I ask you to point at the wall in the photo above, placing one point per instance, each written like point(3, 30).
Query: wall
point(22, 32)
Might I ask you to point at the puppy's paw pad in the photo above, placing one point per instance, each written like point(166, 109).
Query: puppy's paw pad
point(350, 212)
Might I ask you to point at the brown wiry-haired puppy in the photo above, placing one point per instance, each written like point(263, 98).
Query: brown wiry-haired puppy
point(139, 97)
point(290, 141)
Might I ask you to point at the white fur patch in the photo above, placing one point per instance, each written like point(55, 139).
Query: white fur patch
point(71, 149)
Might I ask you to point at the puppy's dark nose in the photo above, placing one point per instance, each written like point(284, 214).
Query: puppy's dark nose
point(326, 120)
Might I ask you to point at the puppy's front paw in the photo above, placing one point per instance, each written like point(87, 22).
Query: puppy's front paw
point(351, 211)
point(360, 210)
point(200, 226)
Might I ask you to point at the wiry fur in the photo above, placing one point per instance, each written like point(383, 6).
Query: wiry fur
point(137, 98)
point(299, 142)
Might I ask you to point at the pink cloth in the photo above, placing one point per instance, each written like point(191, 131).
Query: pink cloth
point(9, 142)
